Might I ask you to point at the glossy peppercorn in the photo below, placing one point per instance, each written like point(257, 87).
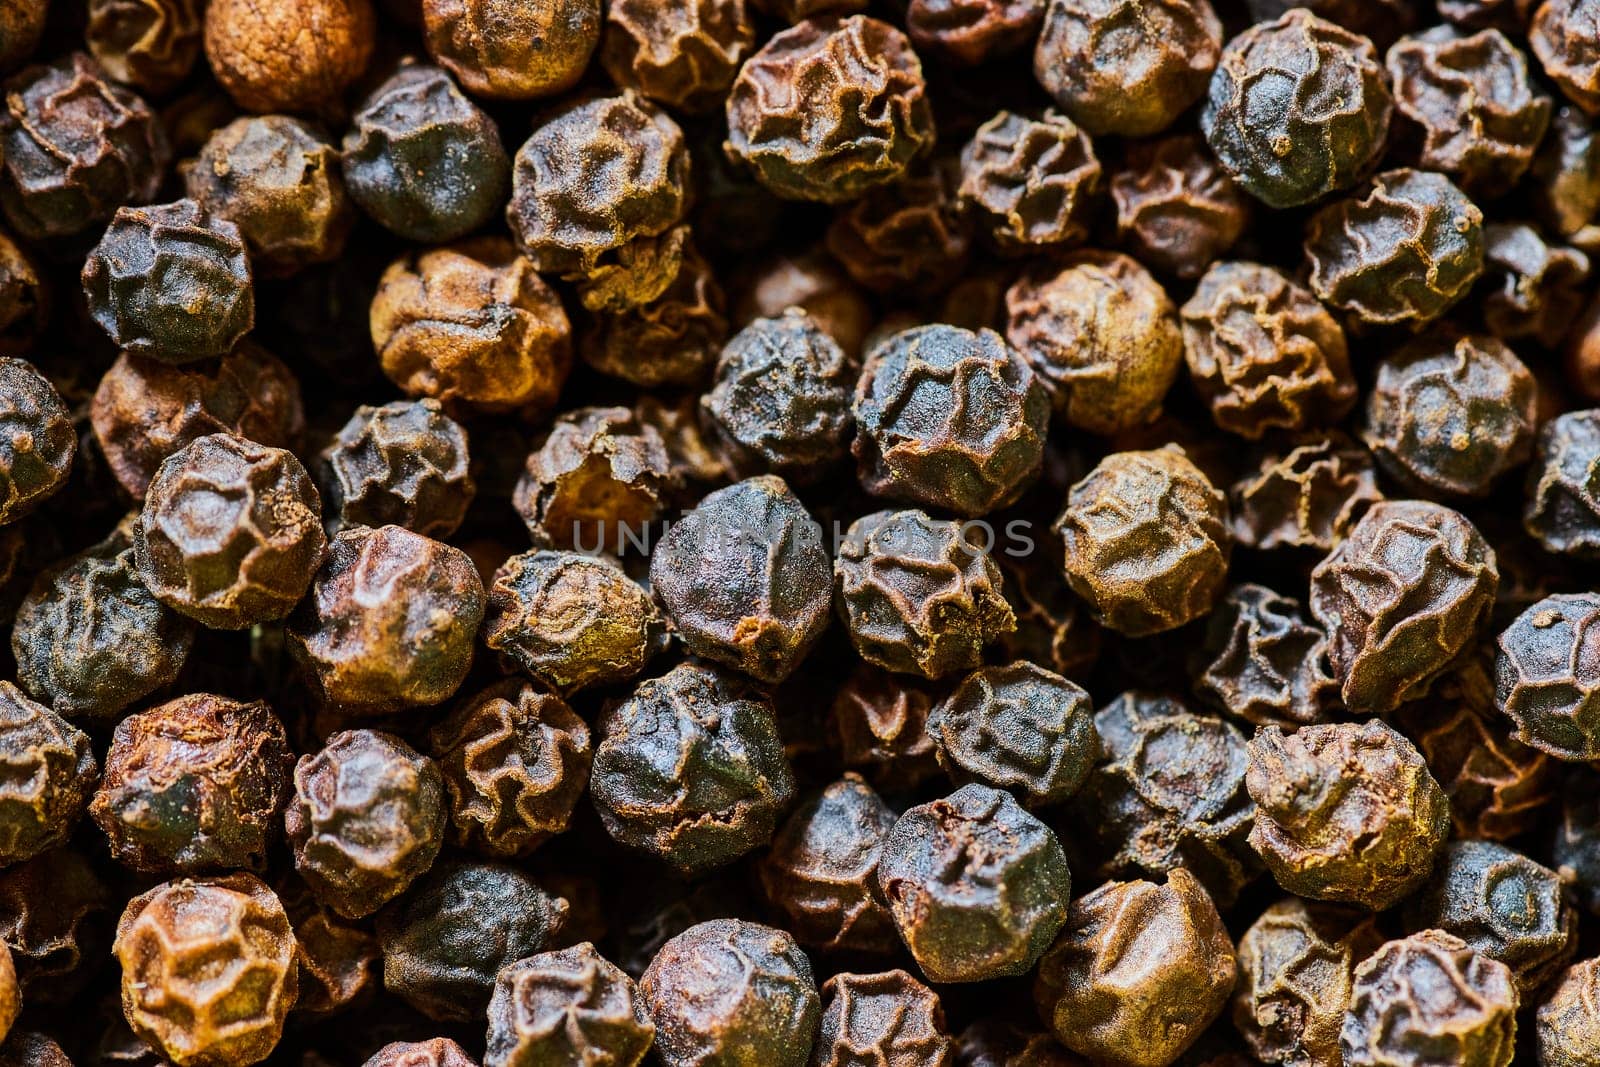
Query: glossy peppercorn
point(512, 51)
point(50, 769)
point(1032, 183)
point(402, 464)
point(288, 55)
point(598, 476)
point(37, 441)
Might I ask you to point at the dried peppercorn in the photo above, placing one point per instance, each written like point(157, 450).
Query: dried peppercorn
point(288, 55)
point(1562, 511)
point(745, 579)
point(1345, 812)
point(402, 464)
point(1451, 414)
point(149, 44)
point(1020, 728)
point(512, 52)
point(889, 1019)
point(1101, 335)
point(1531, 288)
point(571, 1006)
point(912, 235)
point(949, 418)
point(52, 919)
point(423, 160)
point(1264, 661)
point(1296, 964)
point(338, 957)
point(435, 1052)
point(598, 475)
point(1430, 996)
point(237, 564)
point(37, 441)
point(878, 723)
point(1498, 787)
point(969, 32)
point(1177, 208)
point(1408, 552)
point(1564, 180)
point(367, 818)
point(1032, 183)
point(1465, 106)
point(641, 271)
point(1567, 1026)
point(446, 941)
point(1125, 68)
point(781, 401)
point(1399, 252)
point(1139, 971)
point(25, 298)
point(194, 785)
point(1170, 793)
point(278, 180)
point(515, 761)
point(472, 325)
point(727, 990)
point(573, 200)
point(90, 639)
point(389, 621)
point(76, 147)
point(822, 871)
point(1298, 108)
point(799, 10)
point(977, 887)
point(813, 282)
point(919, 595)
point(144, 411)
point(691, 769)
point(682, 55)
point(49, 771)
point(1053, 630)
point(1503, 905)
point(26, 1048)
point(572, 620)
point(829, 108)
point(1264, 353)
point(1545, 676)
point(672, 340)
point(208, 969)
point(1146, 538)
point(1559, 35)
point(1308, 496)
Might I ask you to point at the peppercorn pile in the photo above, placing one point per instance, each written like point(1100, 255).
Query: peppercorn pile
point(800, 533)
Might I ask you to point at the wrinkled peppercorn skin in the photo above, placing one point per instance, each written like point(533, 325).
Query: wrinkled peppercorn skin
point(1562, 37)
point(402, 464)
point(1498, 787)
point(1138, 972)
point(1545, 676)
point(682, 55)
point(1345, 812)
point(339, 957)
point(437, 1052)
point(1562, 509)
point(878, 723)
point(1567, 1027)
point(49, 771)
point(968, 32)
point(1307, 497)
point(53, 920)
point(1177, 208)
point(1031, 183)
point(1265, 662)
point(1400, 598)
point(288, 55)
point(512, 51)
point(37, 441)
point(598, 474)
point(1532, 288)
point(571, 1006)
point(671, 341)
point(889, 1018)
point(829, 108)
point(913, 234)
point(148, 44)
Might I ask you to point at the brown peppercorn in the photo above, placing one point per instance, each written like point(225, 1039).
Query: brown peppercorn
point(25, 298)
point(49, 769)
point(512, 50)
point(1545, 676)
point(208, 970)
point(515, 761)
point(728, 991)
point(288, 55)
point(1567, 1027)
point(1346, 812)
point(193, 785)
point(822, 871)
point(691, 768)
point(1498, 787)
point(1309, 496)
point(339, 958)
point(682, 55)
point(231, 533)
point(32, 1049)
point(888, 1019)
point(598, 475)
point(1430, 996)
point(1178, 210)
point(10, 994)
point(77, 147)
point(909, 236)
point(970, 32)
point(52, 918)
point(595, 175)
point(1400, 598)
point(1102, 336)
point(459, 927)
point(1140, 970)
point(919, 595)
point(641, 271)
point(813, 282)
point(572, 620)
point(572, 1006)
point(1531, 289)
point(1265, 662)
point(745, 579)
point(1563, 508)
point(1564, 180)
point(472, 325)
point(148, 44)
point(829, 108)
point(1296, 964)
point(1465, 106)
point(366, 819)
point(1264, 353)
point(1147, 541)
point(696, 464)
point(1399, 252)
point(402, 464)
point(1561, 36)
point(1127, 67)
point(671, 341)
point(878, 723)
point(37, 441)
point(435, 1052)
point(21, 26)
point(145, 411)
point(948, 418)
point(1031, 183)
point(1053, 630)
point(279, 181)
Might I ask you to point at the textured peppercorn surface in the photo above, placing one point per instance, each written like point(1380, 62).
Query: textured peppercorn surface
point(339, 957)
point(54, 920)
point(1545, 676)
point(1562, 510)
point(968, 32)
point(682, 55)
point(1560, 35)
point(888, 1018)
point(435, 1052)
point(49, 771)
point(878, 722)
point(1177, 208)
point(670, 341)
point(288, 55)
point(148, 44)
point(1498, 787)
point(1264, 661)
point(402, 464)
point(1307, 496)
point(598, 476)
point(1567, 1026)
point(914, 233)
point(37, 441)
point(512, 51)
point(570, 1006)
point(1532, 287)
point(1032, 183)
